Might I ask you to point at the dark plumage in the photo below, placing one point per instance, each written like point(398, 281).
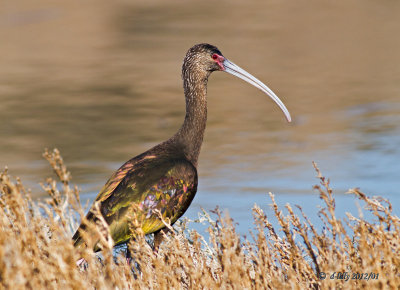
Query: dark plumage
point(164, 178)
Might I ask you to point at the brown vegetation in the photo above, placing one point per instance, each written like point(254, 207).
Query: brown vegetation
point(36, 250)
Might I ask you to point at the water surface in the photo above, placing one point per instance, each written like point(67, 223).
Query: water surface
point(100, 81)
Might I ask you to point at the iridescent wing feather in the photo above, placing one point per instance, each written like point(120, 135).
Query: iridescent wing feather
point(143, 188)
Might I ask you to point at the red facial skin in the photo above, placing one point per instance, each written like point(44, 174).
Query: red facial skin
point(219, 59)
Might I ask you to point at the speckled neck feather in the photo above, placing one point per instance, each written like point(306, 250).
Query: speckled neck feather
point(195, 72)
point(190, 135)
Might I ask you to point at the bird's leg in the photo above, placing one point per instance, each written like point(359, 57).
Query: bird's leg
point(135, 267)
point(158, 238)
point(128, 254)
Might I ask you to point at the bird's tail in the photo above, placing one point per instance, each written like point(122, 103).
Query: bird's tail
point(77, 237)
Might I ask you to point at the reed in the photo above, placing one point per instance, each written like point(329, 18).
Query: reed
point(36, 250)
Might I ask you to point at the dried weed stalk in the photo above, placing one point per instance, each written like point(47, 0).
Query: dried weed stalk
point(36, 250)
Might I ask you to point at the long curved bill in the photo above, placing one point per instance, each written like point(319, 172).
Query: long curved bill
point(233, 69)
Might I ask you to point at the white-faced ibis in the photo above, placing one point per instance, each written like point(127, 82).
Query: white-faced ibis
point(164, 178)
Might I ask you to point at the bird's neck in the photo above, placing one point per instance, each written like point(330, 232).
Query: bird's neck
point(190, 135)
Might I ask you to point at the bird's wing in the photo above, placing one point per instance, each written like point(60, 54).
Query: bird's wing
point(134, 191)
point(125, 170)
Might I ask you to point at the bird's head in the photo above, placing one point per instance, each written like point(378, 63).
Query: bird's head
point(202, 59)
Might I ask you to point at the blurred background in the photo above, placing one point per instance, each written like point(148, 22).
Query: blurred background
point(100, 80)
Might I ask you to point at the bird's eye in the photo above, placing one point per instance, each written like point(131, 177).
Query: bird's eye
point(215, 56)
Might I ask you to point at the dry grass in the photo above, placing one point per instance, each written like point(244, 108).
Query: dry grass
point(36, 250)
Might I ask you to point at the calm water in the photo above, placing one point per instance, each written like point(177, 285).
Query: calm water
point(101, 81)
